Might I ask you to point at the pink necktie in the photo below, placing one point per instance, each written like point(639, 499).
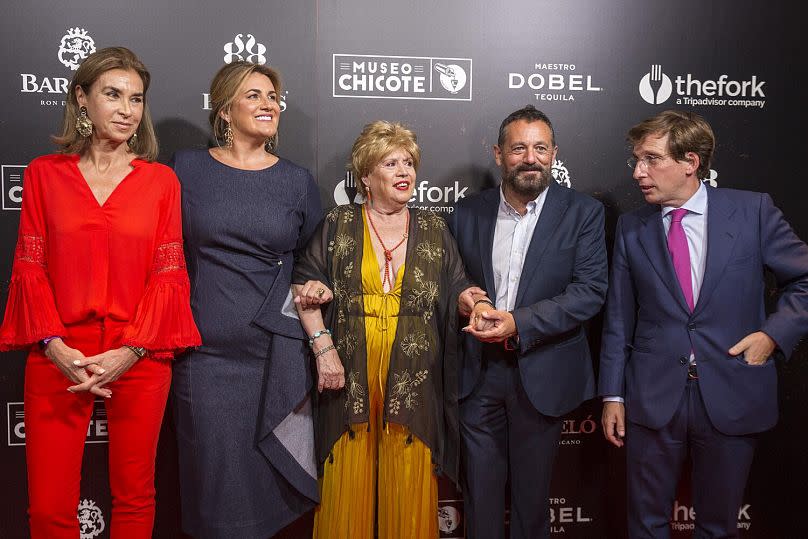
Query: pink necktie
point(680, 254)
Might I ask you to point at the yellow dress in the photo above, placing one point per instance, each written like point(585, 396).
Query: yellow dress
point(379, 481)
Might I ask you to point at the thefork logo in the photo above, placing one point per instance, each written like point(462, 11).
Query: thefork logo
point(656, 87)
point(346, 192)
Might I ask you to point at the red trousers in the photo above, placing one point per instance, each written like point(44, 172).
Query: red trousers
point(56, 423)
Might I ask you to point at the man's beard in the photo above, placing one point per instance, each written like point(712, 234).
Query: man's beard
point(531, 185)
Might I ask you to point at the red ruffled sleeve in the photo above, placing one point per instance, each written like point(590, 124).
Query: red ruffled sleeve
point(31, 310)
point(163, 323)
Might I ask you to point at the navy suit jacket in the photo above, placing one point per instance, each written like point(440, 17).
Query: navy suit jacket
point(649, 332)
point(563, 284)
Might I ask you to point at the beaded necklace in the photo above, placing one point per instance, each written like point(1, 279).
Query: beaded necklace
point(388, 253)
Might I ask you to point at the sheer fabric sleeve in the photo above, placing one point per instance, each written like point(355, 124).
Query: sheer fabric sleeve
point(163, 323)
point(31, 313)
point(311, 262)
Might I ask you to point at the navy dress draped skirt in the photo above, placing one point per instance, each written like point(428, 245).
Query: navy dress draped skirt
point(241, 400)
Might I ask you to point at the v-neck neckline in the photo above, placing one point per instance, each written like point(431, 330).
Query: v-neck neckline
point(89, 190)
point(377, 273)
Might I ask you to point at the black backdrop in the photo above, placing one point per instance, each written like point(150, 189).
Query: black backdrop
point(451, 70)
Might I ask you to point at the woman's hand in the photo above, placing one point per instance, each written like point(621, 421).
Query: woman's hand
point(113, 364)
point(476, 319)
point(312, 294)
point(65, 358)
point(330, 372)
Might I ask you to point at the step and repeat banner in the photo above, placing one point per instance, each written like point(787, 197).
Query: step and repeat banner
point(452, 71)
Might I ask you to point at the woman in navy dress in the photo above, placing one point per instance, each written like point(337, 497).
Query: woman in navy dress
point(242, 410)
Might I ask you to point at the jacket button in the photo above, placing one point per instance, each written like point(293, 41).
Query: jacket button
point(683, 360)
point(691, 326)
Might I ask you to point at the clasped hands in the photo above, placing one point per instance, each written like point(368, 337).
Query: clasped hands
point(91, 373)
point(486, 323)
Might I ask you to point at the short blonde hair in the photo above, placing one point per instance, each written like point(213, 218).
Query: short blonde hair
point(145, 143)
point(224, 90)
point(377, 140)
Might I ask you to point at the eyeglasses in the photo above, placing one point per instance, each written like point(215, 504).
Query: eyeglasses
point(645, 162)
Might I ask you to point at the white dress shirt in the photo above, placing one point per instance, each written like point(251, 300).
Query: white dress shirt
point(512, 236)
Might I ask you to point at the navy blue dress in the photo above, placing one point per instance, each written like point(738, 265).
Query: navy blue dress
point(241, 400)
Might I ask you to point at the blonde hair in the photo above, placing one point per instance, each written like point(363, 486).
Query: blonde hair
point(377, 140)
point(224, 90)
point(70, 141)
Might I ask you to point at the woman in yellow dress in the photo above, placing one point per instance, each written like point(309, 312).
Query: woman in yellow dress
point(392, 283)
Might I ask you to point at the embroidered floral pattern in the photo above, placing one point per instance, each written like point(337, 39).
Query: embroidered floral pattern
point(423, 295)
point(355, 393)
point(31, 249)
point(169, 257)
point(332, 215)
point(414, 343)
point(403, 390)
point(347, 344)
point(341, 246)
point(430, 220)
point(429, 251)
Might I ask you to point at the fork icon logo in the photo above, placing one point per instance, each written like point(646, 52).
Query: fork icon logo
point(656, 87)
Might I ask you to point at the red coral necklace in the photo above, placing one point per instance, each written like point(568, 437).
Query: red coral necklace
point(388, 253)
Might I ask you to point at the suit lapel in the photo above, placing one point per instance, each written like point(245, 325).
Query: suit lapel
point(551, 213)
point(653, 241)
point(485, 230)
point(721, 238)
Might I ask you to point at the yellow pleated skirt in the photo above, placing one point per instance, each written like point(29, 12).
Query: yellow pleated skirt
point(379, 484)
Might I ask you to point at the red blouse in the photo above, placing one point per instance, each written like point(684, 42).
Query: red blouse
point(77, 261)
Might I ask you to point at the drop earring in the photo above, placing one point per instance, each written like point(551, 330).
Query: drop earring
point(228, 137)
point(84, 126)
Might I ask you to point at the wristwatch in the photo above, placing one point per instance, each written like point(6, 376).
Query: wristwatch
point(139, 351)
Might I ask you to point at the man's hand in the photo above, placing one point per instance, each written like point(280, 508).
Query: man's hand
point(466, 299)
point(503, 326)
point(614, 422)
point(756, 348)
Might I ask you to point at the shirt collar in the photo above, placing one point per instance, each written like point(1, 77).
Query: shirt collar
point(695, 204)
point(532, 206)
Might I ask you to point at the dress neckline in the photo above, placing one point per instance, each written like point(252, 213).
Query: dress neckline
point(229, 167)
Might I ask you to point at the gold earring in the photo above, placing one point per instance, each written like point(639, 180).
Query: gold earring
point(228, 136)
point(84, 126)
point(132, 141)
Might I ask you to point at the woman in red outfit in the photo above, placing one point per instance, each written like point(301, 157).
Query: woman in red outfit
point(99, 295)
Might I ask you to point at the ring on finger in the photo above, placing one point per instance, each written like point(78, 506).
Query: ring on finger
point(320, 292)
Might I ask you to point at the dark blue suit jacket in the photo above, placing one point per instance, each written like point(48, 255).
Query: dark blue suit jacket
point(649, 331)
point(563, 284)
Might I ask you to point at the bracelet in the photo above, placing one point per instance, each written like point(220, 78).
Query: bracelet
point(324, 350)
point(44, 342)
point(320, 333)
point(485, 300)
point(139, 351)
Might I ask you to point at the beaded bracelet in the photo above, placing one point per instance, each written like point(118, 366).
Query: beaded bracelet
point(320, 333)
point(324, 350)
